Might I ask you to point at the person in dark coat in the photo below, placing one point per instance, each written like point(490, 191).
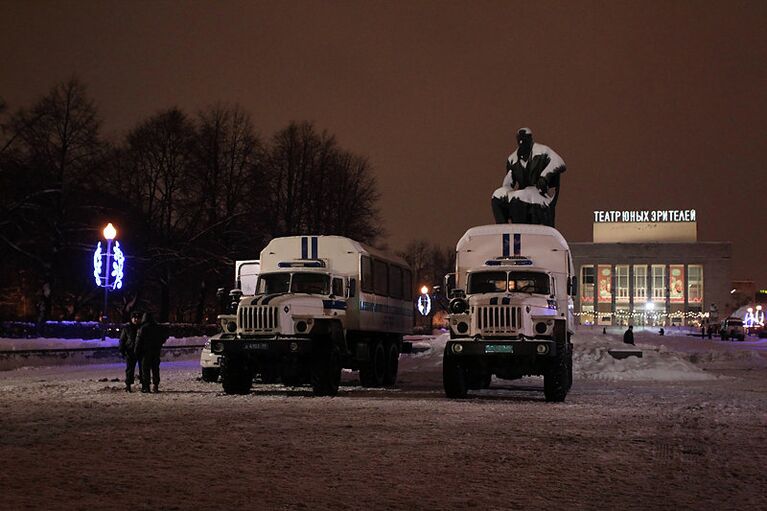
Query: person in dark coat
point(628, 335)
point(525, 196)
point(149, 341)
point(128, 349)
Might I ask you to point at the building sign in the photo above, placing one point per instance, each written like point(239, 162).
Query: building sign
point(605, 283)
point(647, 216)
point(676, 283)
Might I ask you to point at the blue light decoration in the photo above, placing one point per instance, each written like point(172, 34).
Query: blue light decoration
point(112, 267)
point(117, 259)
point(754, 318)
point(424, 304)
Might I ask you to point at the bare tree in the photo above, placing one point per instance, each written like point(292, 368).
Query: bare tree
point(56, 145)
point(429, 262)
point(225, 180)
point(157, 183)
point(315, 186)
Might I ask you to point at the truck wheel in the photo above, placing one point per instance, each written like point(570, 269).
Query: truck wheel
point(392, 365)
point(209, 374)
point(454, 378)
point(326, 371)
point(487, 380)
point(236, 378)
point(373, 371)
point(570, 369)
point(556, 379)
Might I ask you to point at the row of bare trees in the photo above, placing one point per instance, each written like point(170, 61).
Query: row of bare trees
point(189, 194)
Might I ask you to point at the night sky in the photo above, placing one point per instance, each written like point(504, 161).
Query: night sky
point(652, 105)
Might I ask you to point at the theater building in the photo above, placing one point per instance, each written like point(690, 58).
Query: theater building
point(648, 268)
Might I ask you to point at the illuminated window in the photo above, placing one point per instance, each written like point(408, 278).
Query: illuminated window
point(695, 283)
point(587, 284)
point(640, 283)
point(622, 283)
point(659, 283)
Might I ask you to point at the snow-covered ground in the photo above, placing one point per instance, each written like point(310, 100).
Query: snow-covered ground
point(683, 427)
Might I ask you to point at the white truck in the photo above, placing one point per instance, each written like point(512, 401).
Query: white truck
point(511, 309)
point(322, 303)
point(245, 279)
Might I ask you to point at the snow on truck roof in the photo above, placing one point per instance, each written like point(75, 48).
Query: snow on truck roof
point(501, 229)
point(341, 243)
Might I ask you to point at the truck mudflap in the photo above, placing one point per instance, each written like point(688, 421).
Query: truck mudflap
point(272, 346)
point(489, 347)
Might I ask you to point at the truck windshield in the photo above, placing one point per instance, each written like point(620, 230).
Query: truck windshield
point(487, 282)
point(501, 282)
point(529, 282)
point(312, 283)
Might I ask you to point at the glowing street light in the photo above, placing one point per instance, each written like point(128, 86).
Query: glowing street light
point(112, 267)
point(110, 232)
point(424, 290)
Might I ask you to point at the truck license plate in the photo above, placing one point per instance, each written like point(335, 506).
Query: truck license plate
point(255, 346)
point(499, 348)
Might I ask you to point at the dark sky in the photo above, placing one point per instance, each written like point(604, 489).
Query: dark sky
point(653, 105)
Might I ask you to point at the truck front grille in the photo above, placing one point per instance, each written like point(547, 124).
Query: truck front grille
point(498, 319)
point(257, 318)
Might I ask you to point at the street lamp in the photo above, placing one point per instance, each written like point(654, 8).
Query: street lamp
point(111, 264)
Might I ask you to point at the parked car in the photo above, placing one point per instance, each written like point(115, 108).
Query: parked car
point(732, 328)
point(210, 364)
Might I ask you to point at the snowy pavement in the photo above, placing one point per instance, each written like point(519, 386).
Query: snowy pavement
point(683, 427)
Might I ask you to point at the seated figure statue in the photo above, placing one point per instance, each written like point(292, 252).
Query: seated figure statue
point(530, 189)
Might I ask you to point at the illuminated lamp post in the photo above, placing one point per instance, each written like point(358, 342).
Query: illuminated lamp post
point(424, 304)
point(111, 264)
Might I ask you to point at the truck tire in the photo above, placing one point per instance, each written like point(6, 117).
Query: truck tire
point(373, 371)
point(392, 365)
point(556, 379)
point(236, 378)
point(454, 378)
point(326, 371)
point(210, 374)
point(570, 369)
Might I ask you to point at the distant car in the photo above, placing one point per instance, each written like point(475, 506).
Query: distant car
point(210, 364)
point(732, 328)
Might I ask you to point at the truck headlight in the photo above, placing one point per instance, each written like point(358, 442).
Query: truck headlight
point(462, 327)
point(541, 327)
point(301, 326)
point(458, 306)
point(231, 327)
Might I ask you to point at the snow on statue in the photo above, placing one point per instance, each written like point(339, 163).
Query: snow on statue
point(525, 196)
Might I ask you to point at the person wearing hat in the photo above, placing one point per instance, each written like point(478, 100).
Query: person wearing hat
point(531, 172)
point(128, 348)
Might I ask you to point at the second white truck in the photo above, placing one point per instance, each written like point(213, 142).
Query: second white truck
point(510, 312)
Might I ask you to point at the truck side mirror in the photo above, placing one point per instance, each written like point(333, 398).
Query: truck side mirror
point(351, 288)
point(572, 286)
point(449, 283)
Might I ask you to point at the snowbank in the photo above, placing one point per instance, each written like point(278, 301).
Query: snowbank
point(592, 361)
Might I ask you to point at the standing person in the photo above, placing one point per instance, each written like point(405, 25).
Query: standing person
point(531, 171)
point(149, 341)
point(128, 349)
point(628, 335)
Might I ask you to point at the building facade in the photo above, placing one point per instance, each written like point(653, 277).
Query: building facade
point(651, 272)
